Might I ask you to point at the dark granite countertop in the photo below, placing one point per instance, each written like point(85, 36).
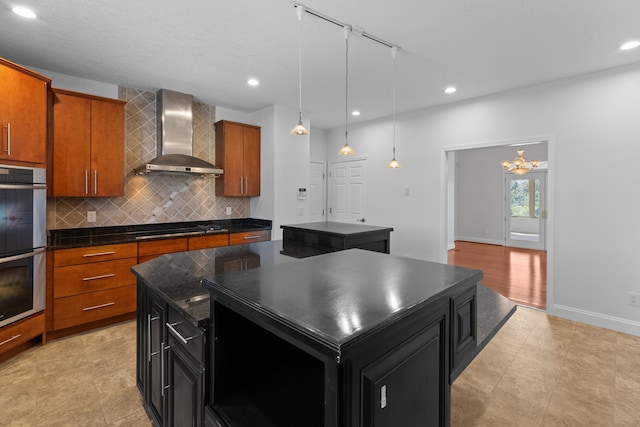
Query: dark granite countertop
point(341, 297)
point(93, 236)
point(338, 228)
point(177, 276)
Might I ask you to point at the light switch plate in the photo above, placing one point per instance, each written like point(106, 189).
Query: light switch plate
point(228, 210)
point(91, 216)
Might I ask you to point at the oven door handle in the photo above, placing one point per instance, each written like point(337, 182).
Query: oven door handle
point(22, 187)
point(22, 256)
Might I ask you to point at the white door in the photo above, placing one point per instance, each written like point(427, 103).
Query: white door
point(316, 191)
point(346, 191)
point(525, 210)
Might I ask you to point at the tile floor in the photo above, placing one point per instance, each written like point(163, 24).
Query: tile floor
point(538, 371)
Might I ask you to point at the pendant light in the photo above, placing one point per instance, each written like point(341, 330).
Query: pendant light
point(519, 165)
point(394, 164)
point(299, 129)
point(346, 150)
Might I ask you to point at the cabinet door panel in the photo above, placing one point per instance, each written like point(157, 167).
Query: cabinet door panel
point(71, 146)
point(156, 358)
point(185, 405)
point(107, 149)
point(403, 388)
point(233, 165)
point(24, 109)
point(251, 164)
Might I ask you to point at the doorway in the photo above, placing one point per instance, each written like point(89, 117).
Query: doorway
point(492, 234)
point(346, 191)
point(525, 210)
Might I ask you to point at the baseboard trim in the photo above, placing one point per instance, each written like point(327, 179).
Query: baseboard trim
point(617, 324)
point(480, 240)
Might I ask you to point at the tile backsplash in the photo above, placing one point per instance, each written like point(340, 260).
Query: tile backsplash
point(153, 198)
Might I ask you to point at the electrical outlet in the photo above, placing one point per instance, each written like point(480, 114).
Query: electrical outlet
point(91, 216)
point(228, 210)
point(634, 299)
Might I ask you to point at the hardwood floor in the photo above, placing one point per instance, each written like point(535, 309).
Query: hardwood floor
point(518, 274)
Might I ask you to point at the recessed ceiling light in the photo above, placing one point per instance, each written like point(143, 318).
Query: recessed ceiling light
point(253, 82)
point(355, 113)
point(450, 89)
point(24, 12)
point(630, 45)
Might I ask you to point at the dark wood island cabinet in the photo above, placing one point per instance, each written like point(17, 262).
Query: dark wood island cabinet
point(350, 338)
point(339, 338)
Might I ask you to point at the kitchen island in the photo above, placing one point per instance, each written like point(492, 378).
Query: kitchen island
point(252, 332)
point(336, 236)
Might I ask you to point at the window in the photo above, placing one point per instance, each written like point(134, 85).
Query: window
point(525, 198)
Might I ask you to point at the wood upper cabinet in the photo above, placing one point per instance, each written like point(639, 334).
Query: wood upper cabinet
point(87, 155)
point(238, 153)
point(23, 115)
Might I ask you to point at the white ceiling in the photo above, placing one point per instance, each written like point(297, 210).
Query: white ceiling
point(209, 48)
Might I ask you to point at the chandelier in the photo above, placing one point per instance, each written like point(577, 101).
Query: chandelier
point(519, 165)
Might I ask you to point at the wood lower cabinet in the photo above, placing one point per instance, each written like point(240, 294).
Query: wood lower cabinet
point(23, 115)
point(238, 153)
point(249, 237)
point(21, 332)
point(154, 248)
point(210, 241)
point(91, 284)
point(87, 154)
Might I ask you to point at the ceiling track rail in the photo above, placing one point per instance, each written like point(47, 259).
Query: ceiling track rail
point(358, 30)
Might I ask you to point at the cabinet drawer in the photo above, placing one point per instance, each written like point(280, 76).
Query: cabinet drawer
point(94, 254)
point(161, 247)
point(249, 237)
point(181, 330)
point(85, 308)
point(77, 279)
point(21, 331)
point(211, 241)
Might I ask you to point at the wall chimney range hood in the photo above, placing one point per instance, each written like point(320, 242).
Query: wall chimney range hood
point(175, 138)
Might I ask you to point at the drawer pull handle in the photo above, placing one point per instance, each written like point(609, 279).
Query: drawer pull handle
point(15, 337)
point(104, 276)
point(98, 306)
point(177, 334)
point(251, 237)
point(99, 254)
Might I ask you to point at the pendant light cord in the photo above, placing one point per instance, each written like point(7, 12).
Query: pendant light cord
point(347, 32)
point(300, 15)
point(394, 53)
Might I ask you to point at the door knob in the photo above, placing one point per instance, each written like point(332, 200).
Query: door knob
point(361, 220)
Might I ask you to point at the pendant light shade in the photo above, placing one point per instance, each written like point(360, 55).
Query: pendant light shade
point(346, 149)
point(299, 129)
point(394, 164)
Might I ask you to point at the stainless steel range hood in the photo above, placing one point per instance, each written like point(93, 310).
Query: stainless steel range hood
point(175, 138)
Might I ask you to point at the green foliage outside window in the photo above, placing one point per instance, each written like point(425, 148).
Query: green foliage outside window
point(522, 204)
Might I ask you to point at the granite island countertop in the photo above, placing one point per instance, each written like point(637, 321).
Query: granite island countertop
point(177, 277)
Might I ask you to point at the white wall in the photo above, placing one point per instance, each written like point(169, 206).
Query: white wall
point(479, 212)
point(77, 84)
point(592, 123)
point(285, 168)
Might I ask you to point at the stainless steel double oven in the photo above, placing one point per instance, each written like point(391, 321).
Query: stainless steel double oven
point(23, 199)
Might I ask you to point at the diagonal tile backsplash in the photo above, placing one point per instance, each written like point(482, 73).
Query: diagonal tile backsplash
point(152, 198)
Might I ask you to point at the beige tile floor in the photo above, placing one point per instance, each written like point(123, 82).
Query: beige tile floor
point(538, 371)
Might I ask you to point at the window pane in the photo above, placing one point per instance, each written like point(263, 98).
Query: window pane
point(520, 197)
